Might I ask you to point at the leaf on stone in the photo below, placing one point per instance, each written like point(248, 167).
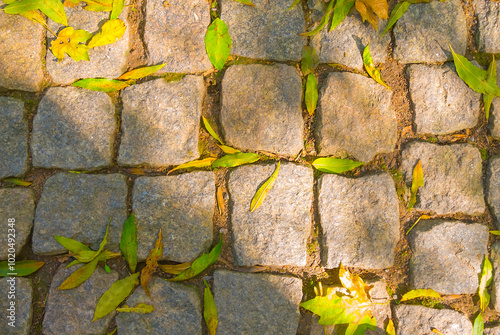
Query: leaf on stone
point(79, 276)
point(492, 80)
point(210, 130)
point(323, 22)
point(151, 264)
point(99, 5)
point(101, 84)
point(261, 193)
point(89, 255)
point(390, 330)
point(140, 308)
point(310, 60)
point(111, 32)
point(128, 242)
point(201, 263)
point(210, 310)
point(478, 328)
point(335, 165)
point(175, 269)
point(71, 245)
point(370, 9)
point(22, 6)
point(106, 267)
point(484, 281)
point(237, 159)
point(141, 72)
point(370, 67)
point(396, 14)
point(417, 181)
point(311, 95)
point(295, 3)
point(200, 163)
point(21, 268)
point(246, 2)
point(495, 232)
point(54, 10)
point(75, 262)
point(17, 181)
point(117, 9)
point(70, 41)
point(422, 217)
point(340, 12)
point(428, 293)
point(220, 201)
point(218, 43)
point(228, 150)
point(113, 297)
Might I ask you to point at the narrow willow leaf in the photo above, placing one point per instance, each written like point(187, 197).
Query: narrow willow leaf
point(175, 269)
point(79, 276)
point(236, 159)
point(323, 22)
point(492, 80)
point(54, 10)
point(141, 72)
point(428, 293)
point(295, 3)
point(218, 43)
point(390, 330)
point(20, 269)
point(417, 181)
point(70, 244)
point(396, 14)
point(422, 217)
point(495, 232)
point(22, 6)
point(434, 330)
point(246, 2)
point(228, 150)
point(117, 9)
point(113, 297)
point(478, 325)
point(311, 95)
point(17, 181)
point(99, 5)
point(113, 332)
point(101, 84)
point(210, 310)
point(261, 193)
point(484, 281)
point(128, 242)
point(370, 67)
point(310, 60)
point(206, 162)
point(220, 201)
point(340, 12)
point(151, 264)
point(140, 308)
point(335, 165)
point(210, 130)
point(136, 171)
point(111, 32)
point(201, 263)
point(75, 262)
point(89, 255)
point(487, 100)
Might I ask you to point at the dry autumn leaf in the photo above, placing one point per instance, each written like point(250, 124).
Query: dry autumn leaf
point(111, 32)
point(140, 308)
point(207, 162)
point(220, 200)
point(370, 9)
point(151, 264)
point(261, 193)
point(70, 41)
point(175, 269)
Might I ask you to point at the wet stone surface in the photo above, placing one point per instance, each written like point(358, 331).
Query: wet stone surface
point(488, 15)
point(20, 322)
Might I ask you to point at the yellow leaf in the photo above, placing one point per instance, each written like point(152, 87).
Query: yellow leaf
point(175, 269)
point(220, 200)
point(141, 72)
point(140, 308)
point(416, 182)
point(111, 32)
point(422, 217)
point(17, 181)
point(370, 9)
point(151, 264)
point(99, 5)
point(370, 67)
point(420, 293)
point(35, 16)
point(390, 330)
point(261, 193)
point(197, 163)
point(69, 41)
point(228, 150)
point(211, 130)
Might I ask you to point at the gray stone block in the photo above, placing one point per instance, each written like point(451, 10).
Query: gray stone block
point(256, 303)
point(443, 102)
point(79, 206)
point(493, 188)
point(174, 34)
point(277, 232)
point(360, 220)
point(22, 299)
point(74, 128)
point(355, 117)
point(488, 16)
point(495, 291)
point(425, 31)
point(447, 256)
point(18, 204)
point(13, 137)
point(182, 206)
point(452, 177)
point(177, 310)
point(266, 31)
point(494, 121)
point(160, 122)
point(262, 108)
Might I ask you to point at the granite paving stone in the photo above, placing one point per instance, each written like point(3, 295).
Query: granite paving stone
point(74, 128)
point(443, 102)
point(447, 255)
point(262, 108)
point(360, 220)
point(266, 31)
point(495, 291)
point(71, 311)
point(17, 204)
point(17, 318)
point(276, 233)
point(493, 188)
point(107, 61)
point(182, 206)
point(488, 16)
point(174, 33)
point(21, 53)
point(361, 124)
point(452, 177)
point(79, 206)
point(492, 331)
point(256, 303)
point(425, 31)
point(177, 310)
point(160, 122)
point(13, 137)
point(494, 122)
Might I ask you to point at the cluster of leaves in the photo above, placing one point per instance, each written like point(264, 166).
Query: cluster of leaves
point(485, 279)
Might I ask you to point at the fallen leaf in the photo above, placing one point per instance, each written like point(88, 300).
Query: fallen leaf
point(417, 181)
point(70, 41)
point(113, 331)
point(151, 264)
point(323, 22)
point(370, 9)
point(311, 95)
point(220, 200)
point(128, 242)
point(17, 181)
point(218, 43)
point(237, 159)
point(101, 84)
point(98, 5)
point(71, 245)
point(228, 150)
point(85, 256)
point(141, 72)
point(210, 130)
point(429, 293)
point(175, 269)
point(396, 14)
point(261, 193)
point(310, 60)
point(54, 10)
point(111, 32)
point(210, 310)
point(495, 232)
point(19, 269)
point(484, 281)
point(390, 330)
point(295, 3)
point(140, 308)
point(335, 165)
point(478, 325)
point(492, 80)
point(113, 297)
point(342, 7)
point(246, 2)
point(422, 217)
point(206, 162)
point(35, 16)
point(434, 330)
point(79, 276)
point(22, 6)
point(370, 67)
point(136, 171)
point(75, 262)
point(117, 9)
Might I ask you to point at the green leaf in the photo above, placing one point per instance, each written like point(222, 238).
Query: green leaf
point(396, 14)
point(478, 325)
point(111, 32)
point(340, 12)
point(335, 165)
point(492, 80)
point(359, 327)
point(495, 232)
point(417, 181)
point(54, 10)
point(261, 193)
point(201, 263)
point(128, 242)
point(113, 297)
point(370, 67)
point(210, 310)
point(237, 159)
point(206, 162)
point(106, 267)
point(210, 130)
point(390, 330)
point(295, 3)
point(487, 100)
point(21, 268)
point(75, 262)
point(310, 60)
point(311, 95)
point(117, 9)
point(429, 293)
point(79, 276)
point(89, 255)
point(484, 281)
point(101, 84)
point(18, 7)
point(72, 245)
point(246, 2)
point(323, 22)
point(218, 43)
point(141, 72)
point(17, 181)
point(140, 308)
point(228, 150)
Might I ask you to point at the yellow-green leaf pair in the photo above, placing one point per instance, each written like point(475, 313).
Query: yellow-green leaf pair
point(310, 61)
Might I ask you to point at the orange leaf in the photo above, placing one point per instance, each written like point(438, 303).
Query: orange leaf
point(370, 9)
point(151, 264)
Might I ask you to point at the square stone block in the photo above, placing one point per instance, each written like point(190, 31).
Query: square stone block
point(488, 16)
point(418, 320)
point(495, 291)
point(23, 305)
point(494, 121)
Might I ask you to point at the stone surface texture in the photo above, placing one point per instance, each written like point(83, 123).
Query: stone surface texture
point(493, 188)
point(266, 31)
point(443, 102)
point(21, 53)
point(74, 128)
point(492, 331)
point(174, 34)
point(79, 206)
point(494, 123)
point(59, 319)
point(495, 291)
point(425, 31)
point(160, 122)
point(452, 177)
point(13, 136)
point(418, 320)
point(177, 310)
point(107, 61)
point(23, 305)
point(447, 256)
point(360, 220)
point(256, 303)
point(355, 117)
point(488, 16)
point(18, 204)
point(182, 206)
point(262, 108)
point(276, 233)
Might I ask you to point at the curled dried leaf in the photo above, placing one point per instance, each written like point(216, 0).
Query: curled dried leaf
point(151, 264)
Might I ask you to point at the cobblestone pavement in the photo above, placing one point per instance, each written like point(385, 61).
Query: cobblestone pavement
point(123, 144)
